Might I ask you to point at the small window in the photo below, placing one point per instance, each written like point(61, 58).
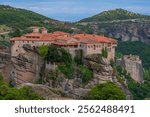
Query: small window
point(16, 50)
point(32, 41)
point(27, 41)
point(94, 47)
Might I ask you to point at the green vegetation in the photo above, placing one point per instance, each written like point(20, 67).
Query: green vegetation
point(4, 44)
point(79, 57)
point(4, 28)
point(106, 91)
point(139, 91)
point(104, 52)
point(19, 18)
point(136, 48)
point(147, 75)
point(86, 74)
point(55, 54)
point(11, 93)
point(43, 51)
point(117, 14)
point(60, 56)
point(67, 70)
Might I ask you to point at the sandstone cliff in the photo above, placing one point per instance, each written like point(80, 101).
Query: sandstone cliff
point(75, 88)
point(26, 66)
point(5, 65)
point(133, 65)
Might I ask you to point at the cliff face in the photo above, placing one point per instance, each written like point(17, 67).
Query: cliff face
point(75, 88)
point(120, 24)
point(26, 66)
point(133, 65)
point(133, 30)
point(129, 31)
point(103, 72)
point(5, 64)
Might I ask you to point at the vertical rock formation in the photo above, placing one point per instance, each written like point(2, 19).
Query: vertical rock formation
point(133, 65)
point(5, 64)
point(26, 66)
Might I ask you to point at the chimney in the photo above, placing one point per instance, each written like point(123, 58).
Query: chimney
point(35, 29)
point(44, 30)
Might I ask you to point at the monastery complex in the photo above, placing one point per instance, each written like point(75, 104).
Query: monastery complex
point(89, 43)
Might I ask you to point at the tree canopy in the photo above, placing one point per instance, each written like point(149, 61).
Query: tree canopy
point(106, 91)
point(11, 93)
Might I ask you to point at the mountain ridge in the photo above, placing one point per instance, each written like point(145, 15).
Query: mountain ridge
point(22, 19)
point(115, 14)
point(120, 24)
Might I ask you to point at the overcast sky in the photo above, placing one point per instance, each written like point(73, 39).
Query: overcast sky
point(74, 10)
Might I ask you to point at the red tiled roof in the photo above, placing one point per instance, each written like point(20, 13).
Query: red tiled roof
point(33, 35)
point(83, 38)
point(97, 38)
point(65, 44)
point(64, 37)
point(59, 33)
point(47, 37)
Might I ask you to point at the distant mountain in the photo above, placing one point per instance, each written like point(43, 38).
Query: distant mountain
point(21, 18)
point(14, 17)
point(117, 14)
point(120, 24)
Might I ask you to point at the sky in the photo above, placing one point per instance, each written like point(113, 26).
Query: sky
point(75, 10)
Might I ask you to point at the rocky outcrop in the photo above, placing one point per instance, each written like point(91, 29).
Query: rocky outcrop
point(47, 92)
point(133, 65)
point(129, 31)
point(124, 88)
point(26, 67)
point(102, 69)
point(124, 30)
point(71, 87)
point(5, 64)
point(102, 73)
